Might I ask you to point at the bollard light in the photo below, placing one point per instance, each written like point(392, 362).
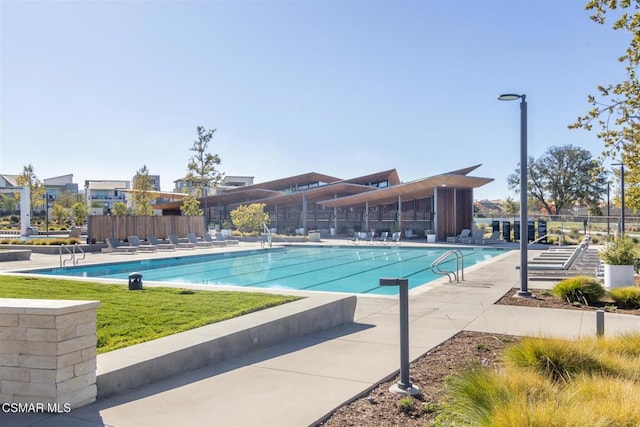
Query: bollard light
point(599, 323)
point(135, 282)
point(404, 386)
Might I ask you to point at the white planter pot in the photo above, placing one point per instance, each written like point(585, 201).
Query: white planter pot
point(225, 233)
point(618, 276)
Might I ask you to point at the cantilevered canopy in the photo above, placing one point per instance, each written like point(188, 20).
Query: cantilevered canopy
point(224, 198)
point(311, 195)
point(411, 190)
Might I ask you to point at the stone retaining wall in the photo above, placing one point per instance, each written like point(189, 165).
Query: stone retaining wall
point(48, 352)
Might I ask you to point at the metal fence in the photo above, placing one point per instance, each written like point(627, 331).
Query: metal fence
point(563, 225)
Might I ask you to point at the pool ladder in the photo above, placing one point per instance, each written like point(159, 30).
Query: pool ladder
point(458, 273)
point(72, 255)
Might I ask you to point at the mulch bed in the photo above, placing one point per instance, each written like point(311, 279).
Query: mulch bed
point(379, 407)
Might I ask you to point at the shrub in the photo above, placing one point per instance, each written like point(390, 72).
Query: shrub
point(583, 289)
point(405, 404)
point(627, 297)
point(619, 252)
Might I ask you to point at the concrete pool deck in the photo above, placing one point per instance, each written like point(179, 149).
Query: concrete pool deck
point(300, 381)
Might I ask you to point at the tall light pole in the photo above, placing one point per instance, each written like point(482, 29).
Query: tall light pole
point(524, 224)
point(621, 194)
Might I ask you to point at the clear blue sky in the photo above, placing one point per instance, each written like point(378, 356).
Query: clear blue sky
point(345, 88)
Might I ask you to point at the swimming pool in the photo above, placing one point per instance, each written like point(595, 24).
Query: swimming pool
point(318, 268)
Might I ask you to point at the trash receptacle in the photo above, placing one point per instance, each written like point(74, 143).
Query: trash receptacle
point(135, 282)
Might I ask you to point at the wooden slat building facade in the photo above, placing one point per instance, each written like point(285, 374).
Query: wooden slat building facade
point(440, 204)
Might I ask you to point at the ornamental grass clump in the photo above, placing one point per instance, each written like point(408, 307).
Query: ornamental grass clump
point(579, 289)
point(627, 297)
point(551, 382)
point(475, 397)
point(621, 251)
point(560, 360)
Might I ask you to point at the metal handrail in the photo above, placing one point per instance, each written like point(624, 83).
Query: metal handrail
point(72, 255)
point(268, 232)
point(435, 265)
point(77, 260)
point(62, 263)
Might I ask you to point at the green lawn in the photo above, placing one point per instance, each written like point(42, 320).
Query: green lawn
point(130, 317)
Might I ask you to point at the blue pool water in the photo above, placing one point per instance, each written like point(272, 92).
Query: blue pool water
point(334, 269)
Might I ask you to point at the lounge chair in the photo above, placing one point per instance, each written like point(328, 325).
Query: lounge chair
point(566, 268)
point(383, 237)
point(180, 245)
point(75, 232)
point(135, 242)
point(395, 237)
point(493, 238)
point(464, 234)
point(476, 234)
point(221, 238)
point(199, 243)
point(161, 246)
point(113, 246)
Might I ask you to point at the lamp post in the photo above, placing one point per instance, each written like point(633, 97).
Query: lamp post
point(524, 225)
point(621, 194)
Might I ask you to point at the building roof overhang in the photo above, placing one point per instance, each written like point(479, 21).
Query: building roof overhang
point(339, 189)
point(420, 188)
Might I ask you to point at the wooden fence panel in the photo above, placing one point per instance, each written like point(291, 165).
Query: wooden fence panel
point(101, 227)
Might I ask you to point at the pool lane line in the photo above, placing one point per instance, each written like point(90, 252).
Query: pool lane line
point(296, 262)
point(376, 268)
point(361, 272)
point(220, 280)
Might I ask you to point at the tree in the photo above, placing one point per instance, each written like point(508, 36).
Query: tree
point(67, 198)
point(59, 213)
point(191, 207)
point(119, 209)
point(29, 179)
point(202, 165)
point(511, 206)
point(8, 203)
point(79, 210)
point(142, 196)
point(562, 177)
point(616, 111)
point(247, 218)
